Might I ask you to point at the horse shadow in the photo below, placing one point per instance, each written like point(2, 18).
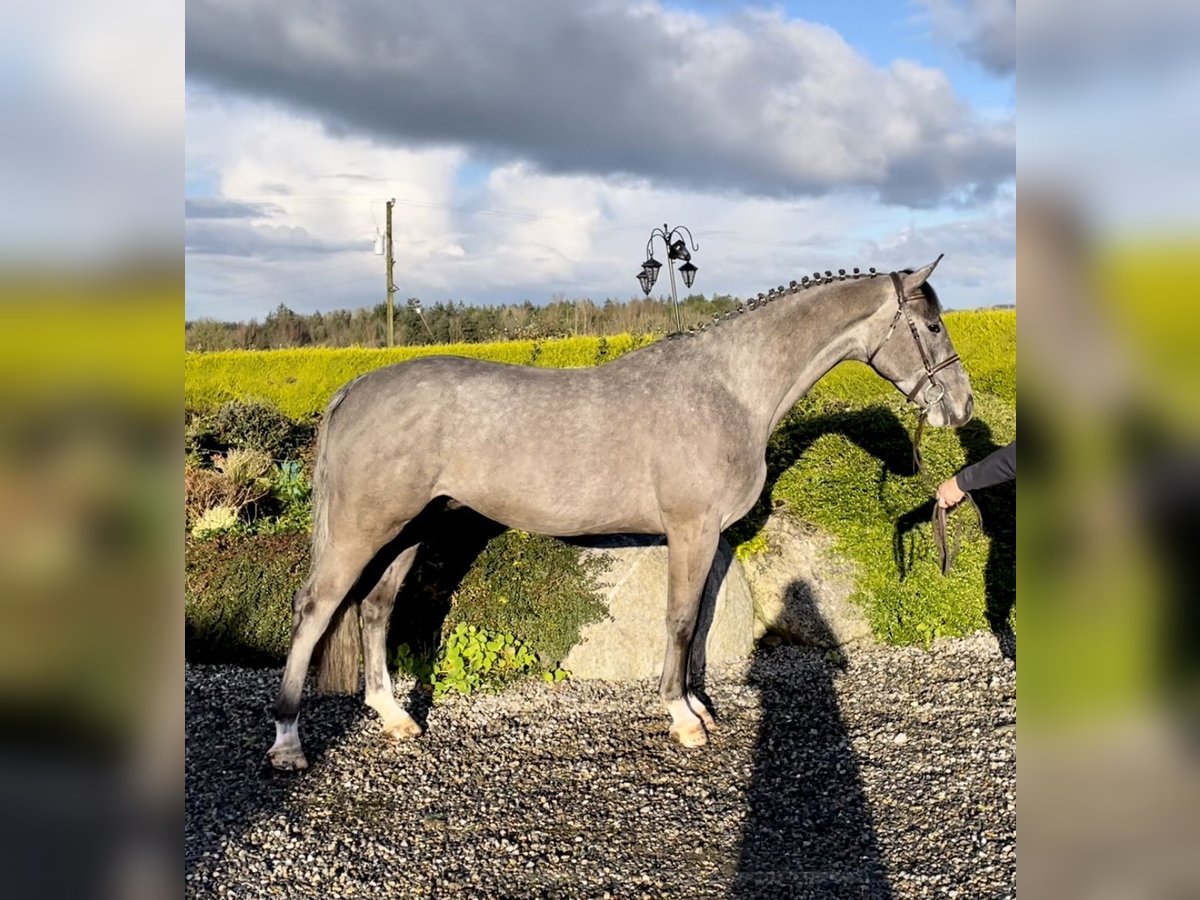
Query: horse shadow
point(875, 429)
point(998, 512)
point(452, 537)
point(809, 832)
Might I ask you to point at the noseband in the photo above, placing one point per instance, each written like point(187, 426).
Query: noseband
point(927, 380)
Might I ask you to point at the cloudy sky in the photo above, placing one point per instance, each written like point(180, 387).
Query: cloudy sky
point(531, 145)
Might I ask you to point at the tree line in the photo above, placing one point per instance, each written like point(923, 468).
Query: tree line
point(446, 323)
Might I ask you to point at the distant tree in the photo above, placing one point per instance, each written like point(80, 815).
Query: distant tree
point(453, 321)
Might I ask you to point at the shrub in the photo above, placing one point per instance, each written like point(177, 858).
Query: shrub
point(257, 425)
point(215, 498)
point(216, 520)
point(203, 489)
point(246, 473)
point(292, 492)
point(238, 597)
point(538, 588)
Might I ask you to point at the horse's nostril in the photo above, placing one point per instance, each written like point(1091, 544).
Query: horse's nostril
point(970, 407)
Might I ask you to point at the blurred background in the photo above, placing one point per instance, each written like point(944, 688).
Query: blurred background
point(1108, 236)
point(91, 324)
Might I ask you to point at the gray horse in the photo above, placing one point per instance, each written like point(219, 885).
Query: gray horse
point(669, 440)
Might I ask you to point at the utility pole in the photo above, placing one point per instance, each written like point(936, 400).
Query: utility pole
point(391, 286)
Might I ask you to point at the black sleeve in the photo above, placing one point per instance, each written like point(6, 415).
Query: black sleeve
point(995, 468)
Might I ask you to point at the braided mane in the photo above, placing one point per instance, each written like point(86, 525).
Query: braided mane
point(775, 293)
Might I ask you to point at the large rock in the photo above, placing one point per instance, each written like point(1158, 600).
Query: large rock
point(630, 644)
point(802, 588)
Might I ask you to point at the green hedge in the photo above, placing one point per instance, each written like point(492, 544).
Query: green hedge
point(238, 591)
point(847, 469)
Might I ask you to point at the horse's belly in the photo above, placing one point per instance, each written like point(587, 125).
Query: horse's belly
point(546, 504)
point(559, 517)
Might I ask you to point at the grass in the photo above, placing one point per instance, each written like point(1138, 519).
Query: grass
point(848, 470)
point(841, 460)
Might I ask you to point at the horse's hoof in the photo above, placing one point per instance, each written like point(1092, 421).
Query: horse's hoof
point(710, 724)
point(403, 729)
point(287, 759)
point(689, 735)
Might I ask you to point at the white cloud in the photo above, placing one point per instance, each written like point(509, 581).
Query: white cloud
point(295, 227)
point(754, 102)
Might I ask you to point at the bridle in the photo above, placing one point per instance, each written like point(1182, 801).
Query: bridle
point(931, 368)
point(947, 549)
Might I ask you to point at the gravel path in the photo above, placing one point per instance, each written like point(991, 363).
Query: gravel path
point(892, 777)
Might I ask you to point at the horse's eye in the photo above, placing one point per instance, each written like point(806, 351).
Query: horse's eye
point(935, 327)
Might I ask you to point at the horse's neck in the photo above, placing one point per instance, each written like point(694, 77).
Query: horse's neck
point(777, 353)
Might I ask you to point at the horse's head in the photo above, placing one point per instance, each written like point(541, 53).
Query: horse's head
point(908, 345)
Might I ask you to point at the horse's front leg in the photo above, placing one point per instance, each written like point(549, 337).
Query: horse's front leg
point(691, 548)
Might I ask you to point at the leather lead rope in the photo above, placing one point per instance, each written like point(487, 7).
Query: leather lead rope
point(947, 543)
point(948, 552)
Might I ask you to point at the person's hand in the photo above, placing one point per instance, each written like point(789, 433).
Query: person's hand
point(949, 493)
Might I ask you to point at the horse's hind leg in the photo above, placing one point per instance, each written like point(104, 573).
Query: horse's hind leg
point(691, 548)
point(376, 611)
point(315, 603)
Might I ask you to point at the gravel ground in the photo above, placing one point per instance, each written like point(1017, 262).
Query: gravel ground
point(894, 776)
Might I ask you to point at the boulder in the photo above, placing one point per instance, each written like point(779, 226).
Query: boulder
point(630, 643)
point(802, 588)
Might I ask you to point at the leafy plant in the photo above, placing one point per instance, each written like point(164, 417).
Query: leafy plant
point(293, 492)
point(471, 659)
point(752, 546)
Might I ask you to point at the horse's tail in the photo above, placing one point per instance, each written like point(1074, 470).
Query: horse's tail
point(338, 652)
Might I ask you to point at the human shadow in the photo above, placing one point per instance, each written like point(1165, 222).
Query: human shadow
point(876, 429)
point(998, 516)
point(809, 832)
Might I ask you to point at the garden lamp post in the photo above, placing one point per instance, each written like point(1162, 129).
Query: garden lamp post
point(677, 248)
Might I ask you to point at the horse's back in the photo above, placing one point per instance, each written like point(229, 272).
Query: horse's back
point(541, 449)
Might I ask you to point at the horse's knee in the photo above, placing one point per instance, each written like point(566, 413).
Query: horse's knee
point(374, 613)
point(681, 625)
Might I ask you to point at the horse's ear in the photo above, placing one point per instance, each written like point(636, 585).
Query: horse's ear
point(913, 280)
